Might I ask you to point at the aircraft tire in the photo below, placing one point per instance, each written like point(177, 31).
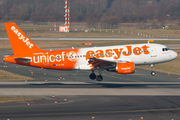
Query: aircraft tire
point(92, 76)
point(153, 73)
point(99, 78)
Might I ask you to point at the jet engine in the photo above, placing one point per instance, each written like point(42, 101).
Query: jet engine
point(123, 68)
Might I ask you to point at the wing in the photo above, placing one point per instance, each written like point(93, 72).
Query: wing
point(104, 64)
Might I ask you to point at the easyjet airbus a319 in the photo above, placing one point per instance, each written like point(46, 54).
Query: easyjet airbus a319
point(119, 58)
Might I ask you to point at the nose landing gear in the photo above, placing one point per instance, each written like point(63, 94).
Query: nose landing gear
point(153, 73)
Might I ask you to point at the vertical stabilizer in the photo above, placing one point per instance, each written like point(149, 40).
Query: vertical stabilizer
point(20, 42)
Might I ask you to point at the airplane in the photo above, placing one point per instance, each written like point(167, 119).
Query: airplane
point(119, 58)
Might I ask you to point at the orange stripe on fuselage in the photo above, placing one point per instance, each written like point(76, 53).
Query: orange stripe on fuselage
point(60, 59)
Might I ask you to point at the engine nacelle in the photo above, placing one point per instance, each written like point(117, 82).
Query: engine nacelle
point(124, 68)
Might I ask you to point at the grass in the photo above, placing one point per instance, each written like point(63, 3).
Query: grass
point(44, 31)
point(69, 43)
point(5, 44)
point(155, 33)
point(8, 76)
point(17, 99)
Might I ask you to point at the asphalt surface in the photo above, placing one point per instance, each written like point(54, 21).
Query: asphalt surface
point(71, 95)
point(100, 107)
point(66, 38)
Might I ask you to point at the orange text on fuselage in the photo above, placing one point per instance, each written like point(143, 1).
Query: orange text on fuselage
point(117, 52)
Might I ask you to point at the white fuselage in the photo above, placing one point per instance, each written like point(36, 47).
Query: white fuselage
point(151, 54)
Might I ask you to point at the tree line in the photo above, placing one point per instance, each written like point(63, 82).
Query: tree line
point(91, 11)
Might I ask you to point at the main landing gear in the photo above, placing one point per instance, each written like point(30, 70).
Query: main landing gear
point(153, 73)
point(93, 76)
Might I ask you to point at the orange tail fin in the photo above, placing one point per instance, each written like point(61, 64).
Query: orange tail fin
point(20, 42)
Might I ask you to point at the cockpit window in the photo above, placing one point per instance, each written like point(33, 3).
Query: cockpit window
point(165, 49)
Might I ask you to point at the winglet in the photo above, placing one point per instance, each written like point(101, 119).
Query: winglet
point(20, 42)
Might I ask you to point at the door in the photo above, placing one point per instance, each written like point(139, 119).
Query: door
point(153, 51)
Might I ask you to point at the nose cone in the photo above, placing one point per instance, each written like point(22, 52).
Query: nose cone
point(175, 55)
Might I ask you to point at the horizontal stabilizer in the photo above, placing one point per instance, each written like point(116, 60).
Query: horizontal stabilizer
point(25, 60)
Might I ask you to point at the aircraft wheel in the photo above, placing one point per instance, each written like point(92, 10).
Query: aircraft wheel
point(92, 76)
point(153, 73)
point(99, 78)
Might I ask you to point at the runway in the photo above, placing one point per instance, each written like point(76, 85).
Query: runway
point(99, 107)
point(81, 38)
point(71, 95)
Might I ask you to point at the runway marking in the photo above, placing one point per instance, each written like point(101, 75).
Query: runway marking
point(118, 77)
point(122, 78)
point(68, 74)
point(129, 74)
point(82, 113)
point(34, 104)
